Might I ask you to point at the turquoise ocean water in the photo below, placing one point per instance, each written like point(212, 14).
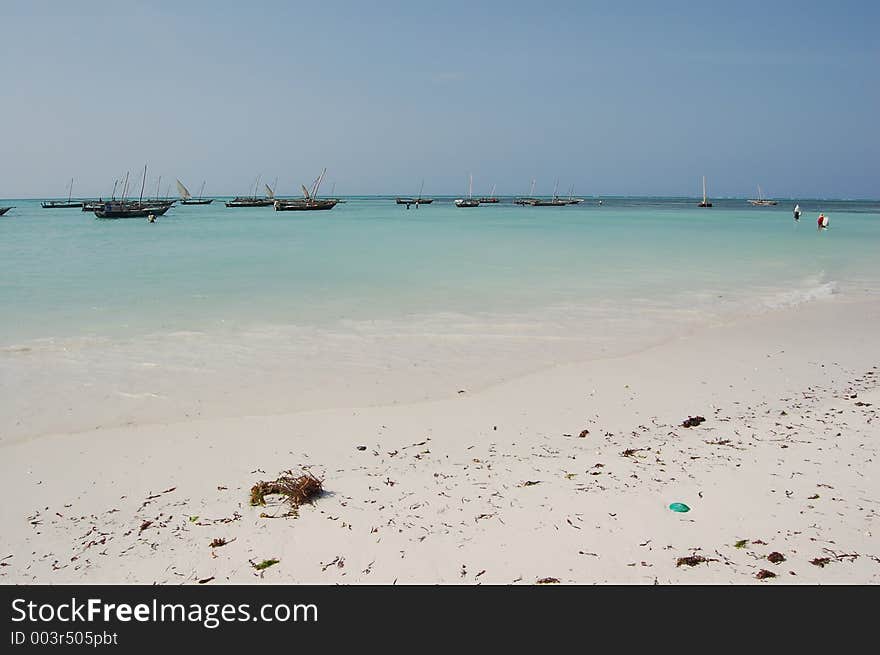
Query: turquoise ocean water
point(294, 306)
point(65, 274)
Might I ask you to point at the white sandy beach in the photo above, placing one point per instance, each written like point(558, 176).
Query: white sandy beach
point(496, 485)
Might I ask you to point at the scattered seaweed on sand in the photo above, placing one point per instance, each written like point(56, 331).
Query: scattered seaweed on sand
point(265, 564)
point(692, 421)
point(583, 434)
point(297, 490)
point(220, 541)
point(776, 557)
point(820, 562)
point(742, 543)
point(547, 581)
point(693, 560)
point(530, 483)
point(764, 573)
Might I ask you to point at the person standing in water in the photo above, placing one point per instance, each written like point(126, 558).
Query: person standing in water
point(797, 212)
point(822, 222)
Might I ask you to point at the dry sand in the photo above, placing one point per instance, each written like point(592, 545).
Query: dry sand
point(499, 485)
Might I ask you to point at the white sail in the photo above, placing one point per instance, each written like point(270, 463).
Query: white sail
point(183, 191)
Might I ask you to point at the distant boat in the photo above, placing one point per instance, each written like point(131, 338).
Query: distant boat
point(118, 209)
point(187, 199)
point(705, 202)
point(61, 204)
point(133, 209)
point(418, 200)
point(555, 201)
point(309, 201)
point(491, 199)
point(761, 201)
point(252, 201)
point(571, 200)
point(469, 201)
point(3, 210)
point(528, 200)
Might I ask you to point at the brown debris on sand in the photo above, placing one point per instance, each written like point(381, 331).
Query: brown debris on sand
point(764, 573)
point(297, 490)
point(693, 560)
point(692, 421)
point(776, 557)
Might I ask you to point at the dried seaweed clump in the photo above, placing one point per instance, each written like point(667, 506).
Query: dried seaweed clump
point(693, 560)
point(297, 490)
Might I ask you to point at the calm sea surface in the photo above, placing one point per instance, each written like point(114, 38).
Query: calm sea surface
point(65, 274)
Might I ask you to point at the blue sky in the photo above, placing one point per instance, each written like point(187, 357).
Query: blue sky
point(623, 97)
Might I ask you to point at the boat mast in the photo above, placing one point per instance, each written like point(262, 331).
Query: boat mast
point(70, 193)
point(125, 186)
point(113, 196)
point(318, 184)
point(143, 182)
point(202, 189)
point(492, 193)
point(158, 182)
point(704, 189)
point(556, 189)
point(259, 177)
point(532, 188)
point(470, 185)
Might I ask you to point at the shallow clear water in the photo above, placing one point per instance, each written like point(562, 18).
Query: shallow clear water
point(217, 310)
point(63, 273)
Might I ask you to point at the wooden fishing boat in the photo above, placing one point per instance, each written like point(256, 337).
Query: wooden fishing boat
point(555, 201)
point(254, 200)
point(309, 201)
point(187, 199)
point(3, 210)
point(490, 199)
point(130, 210)
point(250, 202)
point(62, 204)
point(302, 204)
point(527, 200)
point(705, 202)
point(551, 202)
point(418, 200)
point(470, 201)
